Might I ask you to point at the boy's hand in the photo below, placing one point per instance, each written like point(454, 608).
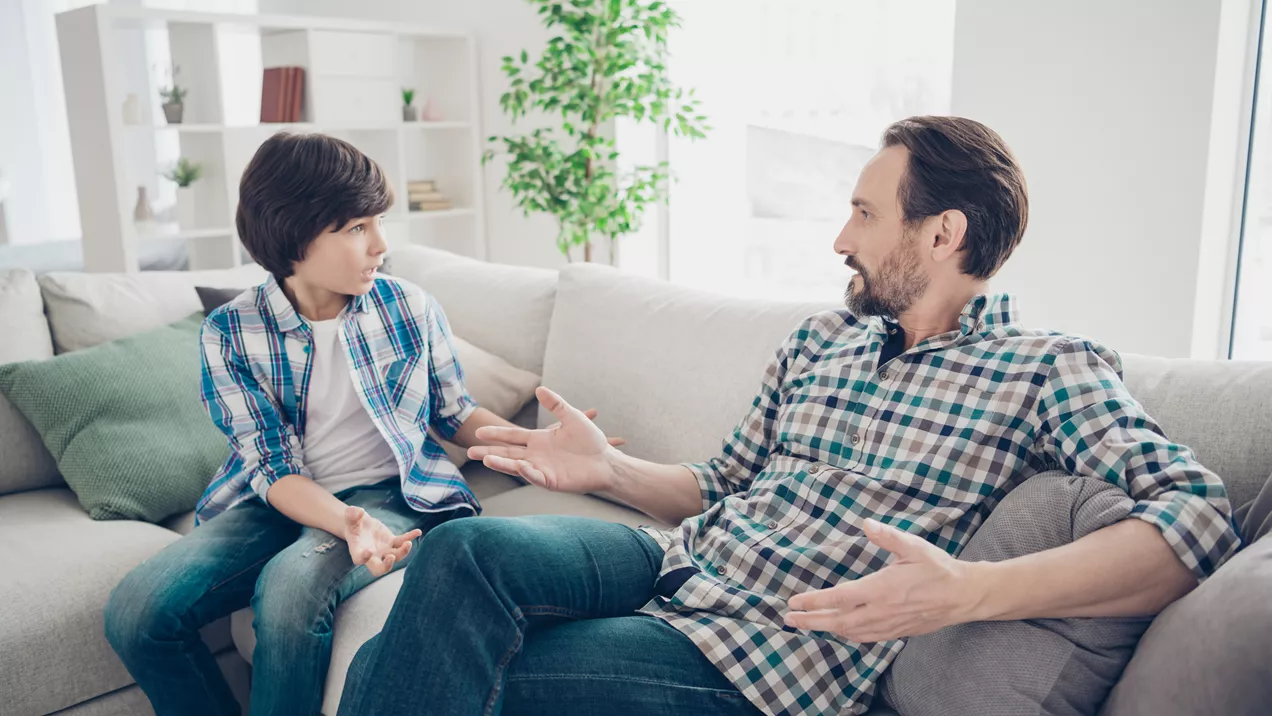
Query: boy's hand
point(373, 544)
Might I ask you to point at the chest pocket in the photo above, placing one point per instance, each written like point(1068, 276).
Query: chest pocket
point(405, 384)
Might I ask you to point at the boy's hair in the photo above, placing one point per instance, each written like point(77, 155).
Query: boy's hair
point(298, 186)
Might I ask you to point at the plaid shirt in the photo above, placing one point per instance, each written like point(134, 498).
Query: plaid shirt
point(928, 443)
point(256, 368)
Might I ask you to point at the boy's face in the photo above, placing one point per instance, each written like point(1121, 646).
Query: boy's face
point(344, 259)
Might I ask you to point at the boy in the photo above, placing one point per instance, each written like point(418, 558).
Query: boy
point(325, 380)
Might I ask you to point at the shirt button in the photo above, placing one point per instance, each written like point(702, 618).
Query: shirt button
point(306, 349)
point(856, 438)
point(722, 570)
point(883, 375)
point(772, 524)
point(814, 469)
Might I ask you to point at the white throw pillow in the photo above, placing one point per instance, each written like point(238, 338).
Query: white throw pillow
point(495, 384)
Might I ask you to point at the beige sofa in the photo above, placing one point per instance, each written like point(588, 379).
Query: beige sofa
point(671, 369)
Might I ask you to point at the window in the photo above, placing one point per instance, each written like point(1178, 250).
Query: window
point(1252, 314)
point(798, 93)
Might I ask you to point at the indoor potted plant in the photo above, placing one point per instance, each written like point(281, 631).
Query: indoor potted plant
point(173, 97)
point(184, 173)
point(607, 60)
point(410, 113)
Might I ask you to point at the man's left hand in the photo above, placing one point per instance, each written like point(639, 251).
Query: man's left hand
point(921, 590)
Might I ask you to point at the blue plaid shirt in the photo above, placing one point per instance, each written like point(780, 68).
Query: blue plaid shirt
point(928, 441)
point(256, 369)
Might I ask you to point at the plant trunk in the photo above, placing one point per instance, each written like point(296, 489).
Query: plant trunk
point(587, 252)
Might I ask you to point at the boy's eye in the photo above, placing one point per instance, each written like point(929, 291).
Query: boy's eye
point(358, 228)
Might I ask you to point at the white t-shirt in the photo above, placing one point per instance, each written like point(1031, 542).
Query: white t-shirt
point(342, 447)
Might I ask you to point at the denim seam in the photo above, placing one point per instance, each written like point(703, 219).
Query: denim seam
point(239, 573)
point(506, 659)
point(624, 679)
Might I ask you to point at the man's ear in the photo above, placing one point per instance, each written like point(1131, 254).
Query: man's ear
point(951, 232)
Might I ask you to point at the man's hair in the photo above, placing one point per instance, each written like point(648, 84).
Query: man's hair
point(298, 186)
point(958, 163)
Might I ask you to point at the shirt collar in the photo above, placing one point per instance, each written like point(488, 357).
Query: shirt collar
point(986, 312)
point(274, 301)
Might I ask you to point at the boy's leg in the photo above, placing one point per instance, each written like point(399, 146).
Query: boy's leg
point(475, 588)
point(620, 666)
point(296, 598)
point(154, 614)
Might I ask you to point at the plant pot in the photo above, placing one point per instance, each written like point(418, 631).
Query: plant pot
point(410, 113)
point(185, 208)
point(173, 112)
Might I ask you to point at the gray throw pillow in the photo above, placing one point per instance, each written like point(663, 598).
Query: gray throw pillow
point(1211, 652)
point(214, 298)
point(1038, 666)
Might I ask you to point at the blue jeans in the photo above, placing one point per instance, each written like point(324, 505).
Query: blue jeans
point(533, 616)
point(293, 577)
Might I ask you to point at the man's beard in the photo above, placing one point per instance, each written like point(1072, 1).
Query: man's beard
point(893, 287)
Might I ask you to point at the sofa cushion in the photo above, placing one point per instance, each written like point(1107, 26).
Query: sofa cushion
point(502, 309)
point(670, 369)
point(124, 421)
point(85, 309)
point(59, 567)
point(27, 464)
point(1220, 409)
point(1208, 652)
point(496, 385)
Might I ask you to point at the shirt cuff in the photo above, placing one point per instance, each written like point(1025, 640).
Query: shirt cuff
point(264, 476)
point(710, 483)
point(447, 426)
point(1200, 534)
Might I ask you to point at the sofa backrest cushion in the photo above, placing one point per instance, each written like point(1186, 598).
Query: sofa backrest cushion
point(25, 464)
point(671, 369)
point(504, 310)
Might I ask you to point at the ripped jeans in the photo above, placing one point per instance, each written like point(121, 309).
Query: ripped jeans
point(292, 576)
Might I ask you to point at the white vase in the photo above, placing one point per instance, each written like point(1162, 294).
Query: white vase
point(132, 109)
point(185, 208)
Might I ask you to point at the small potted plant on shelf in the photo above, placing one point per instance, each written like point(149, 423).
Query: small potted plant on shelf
point(185, 173)
point(410, 113)
point(173, 97)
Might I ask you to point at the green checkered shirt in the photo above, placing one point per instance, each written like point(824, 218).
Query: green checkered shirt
point(929, 442)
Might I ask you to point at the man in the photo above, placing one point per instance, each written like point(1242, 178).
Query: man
point(881, 438)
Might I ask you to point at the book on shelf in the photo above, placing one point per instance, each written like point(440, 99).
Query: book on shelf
point(422, 185)
point(426, 196)
point(282, 94)
point(430, 205)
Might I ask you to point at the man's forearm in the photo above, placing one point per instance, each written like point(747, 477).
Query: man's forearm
point(304, 501)
point(667, 492)
point(1126, 569)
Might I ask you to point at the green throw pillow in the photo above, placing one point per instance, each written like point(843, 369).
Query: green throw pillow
point(124, 421)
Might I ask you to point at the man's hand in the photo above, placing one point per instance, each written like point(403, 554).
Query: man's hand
point(571, 456)
point(923, 589)
point(373, 544)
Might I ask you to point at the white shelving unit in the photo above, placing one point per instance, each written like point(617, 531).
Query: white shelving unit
point(354, 73)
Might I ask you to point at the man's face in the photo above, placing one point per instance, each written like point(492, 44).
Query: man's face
point(344, 259)
point(876, 242)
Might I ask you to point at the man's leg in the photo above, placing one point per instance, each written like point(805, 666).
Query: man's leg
point(619, 666)
point(296, 598)
point(472, 593)
point(154, 614)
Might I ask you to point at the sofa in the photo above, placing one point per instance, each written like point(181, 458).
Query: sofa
point(670, 369)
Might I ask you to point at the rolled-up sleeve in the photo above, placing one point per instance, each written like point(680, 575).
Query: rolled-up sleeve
point(449, 401)
point(1091, 426)
point(246, 414)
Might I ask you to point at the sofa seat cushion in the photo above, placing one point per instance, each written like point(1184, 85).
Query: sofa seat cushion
point(60, 567)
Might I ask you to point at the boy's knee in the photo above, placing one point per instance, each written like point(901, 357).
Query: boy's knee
point(138, 610)
point(293, 597)
point(1047, 511)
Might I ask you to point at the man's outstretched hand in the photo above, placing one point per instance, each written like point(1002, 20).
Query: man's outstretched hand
point(571, 456)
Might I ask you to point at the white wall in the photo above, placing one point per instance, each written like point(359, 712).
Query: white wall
point(502, 27)
point(1109, 107)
